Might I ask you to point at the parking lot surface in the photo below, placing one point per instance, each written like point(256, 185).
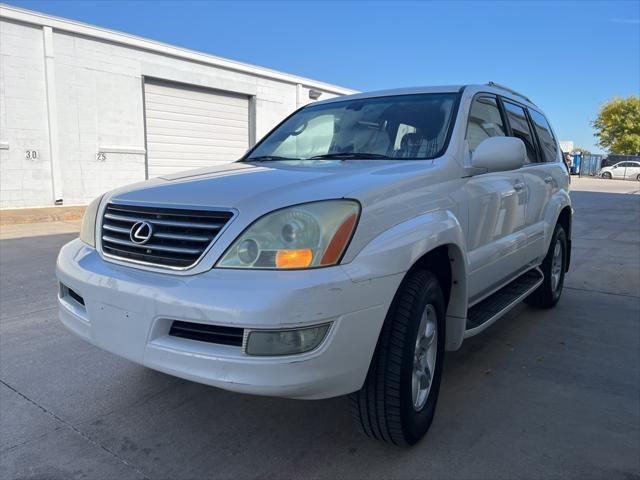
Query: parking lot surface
point(541, 394)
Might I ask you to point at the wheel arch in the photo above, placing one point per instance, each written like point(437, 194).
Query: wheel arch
point(557, 211)
point(434, 241)
point(447, 263)
point(565, 218)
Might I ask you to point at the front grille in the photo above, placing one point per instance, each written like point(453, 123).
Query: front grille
point(177, 238)
point(207, 333)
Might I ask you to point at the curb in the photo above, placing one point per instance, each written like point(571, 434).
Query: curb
point(38, 215)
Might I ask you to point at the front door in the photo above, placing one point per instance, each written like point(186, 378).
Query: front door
point(496, 203)
point(497, 206)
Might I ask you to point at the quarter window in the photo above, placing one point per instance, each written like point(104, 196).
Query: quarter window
point(547, 141)
point(484, 121)
point(521, 129)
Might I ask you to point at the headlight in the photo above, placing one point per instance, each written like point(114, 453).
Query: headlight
point(303, 236)
point(88, 227)
point(285, 342)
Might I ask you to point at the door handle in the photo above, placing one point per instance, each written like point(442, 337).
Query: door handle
point(518, 186)
point(548, 179)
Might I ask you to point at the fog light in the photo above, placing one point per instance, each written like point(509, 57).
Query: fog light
point(285, 342)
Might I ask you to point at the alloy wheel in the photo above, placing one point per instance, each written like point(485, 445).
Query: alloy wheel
point(556, 266)
point(424, 357)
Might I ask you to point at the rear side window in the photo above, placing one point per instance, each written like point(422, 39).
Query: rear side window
point(547, 141)
point(484, 121)
point(521, 129)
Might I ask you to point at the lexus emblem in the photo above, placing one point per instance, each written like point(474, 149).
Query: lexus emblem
point(141, 232)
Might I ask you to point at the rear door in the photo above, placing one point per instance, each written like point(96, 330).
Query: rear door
point(633, 171)
point(544, 178)
point(628, 170)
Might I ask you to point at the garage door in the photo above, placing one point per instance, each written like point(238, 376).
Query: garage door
point(192, 128)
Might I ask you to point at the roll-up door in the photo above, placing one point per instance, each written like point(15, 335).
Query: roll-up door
point(190, 127)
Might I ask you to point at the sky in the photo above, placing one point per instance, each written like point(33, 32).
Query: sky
point(568, 57)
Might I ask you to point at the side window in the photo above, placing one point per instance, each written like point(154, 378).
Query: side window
point(521, 129)
point(484, 121)
point(548, 142)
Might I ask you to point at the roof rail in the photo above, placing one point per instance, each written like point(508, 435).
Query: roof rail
point(510, 90)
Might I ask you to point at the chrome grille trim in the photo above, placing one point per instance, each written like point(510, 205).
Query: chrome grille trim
point(180, 237)
point(167, 223)
point(151, 246)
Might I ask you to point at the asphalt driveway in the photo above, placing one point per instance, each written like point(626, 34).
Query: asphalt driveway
point(542, 394)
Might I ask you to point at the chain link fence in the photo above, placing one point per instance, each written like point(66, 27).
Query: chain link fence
point(608, 167)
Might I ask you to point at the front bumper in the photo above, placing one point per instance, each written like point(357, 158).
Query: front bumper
point(129, 312)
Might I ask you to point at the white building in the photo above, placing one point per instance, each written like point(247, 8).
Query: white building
point(84, 109)
point(566, 146)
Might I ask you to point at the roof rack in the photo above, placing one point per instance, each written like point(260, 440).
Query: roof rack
point(510, 90)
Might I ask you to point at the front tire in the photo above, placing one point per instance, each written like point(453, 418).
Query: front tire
point(606, 175)
point(553, 268)
point(398, 400)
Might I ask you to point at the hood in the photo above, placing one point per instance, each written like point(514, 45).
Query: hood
point(268, 185)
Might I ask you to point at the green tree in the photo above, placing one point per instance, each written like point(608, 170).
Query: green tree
point(618, 126)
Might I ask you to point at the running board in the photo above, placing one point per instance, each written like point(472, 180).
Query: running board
point(489, 310)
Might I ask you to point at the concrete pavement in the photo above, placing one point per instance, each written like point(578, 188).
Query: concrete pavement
point(542, 394)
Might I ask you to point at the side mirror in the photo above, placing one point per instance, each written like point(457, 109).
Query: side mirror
point(499, 154)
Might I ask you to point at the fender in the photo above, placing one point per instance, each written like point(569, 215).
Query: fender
point(398, 249)
point(558, 202)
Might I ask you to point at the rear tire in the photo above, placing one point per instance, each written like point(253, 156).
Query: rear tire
point(553, 267)
point(398, 399)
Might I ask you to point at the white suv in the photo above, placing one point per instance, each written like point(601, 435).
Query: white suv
point(353, 245)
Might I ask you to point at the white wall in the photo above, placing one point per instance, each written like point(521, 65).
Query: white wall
point(23, 118)
point(98, 104)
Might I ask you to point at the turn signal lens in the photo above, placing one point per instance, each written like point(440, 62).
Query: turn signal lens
point(294, 258)
point(88, 226)
point(339, 241)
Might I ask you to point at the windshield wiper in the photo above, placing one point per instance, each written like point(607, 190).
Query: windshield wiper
point(269, 158)
point(351, 156)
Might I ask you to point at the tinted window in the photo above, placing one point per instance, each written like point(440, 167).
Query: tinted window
point(521, 129)
point(484, 121)
point(396, 127)
point(547, 141)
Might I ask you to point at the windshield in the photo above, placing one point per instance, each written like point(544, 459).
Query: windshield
point(394, 127)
